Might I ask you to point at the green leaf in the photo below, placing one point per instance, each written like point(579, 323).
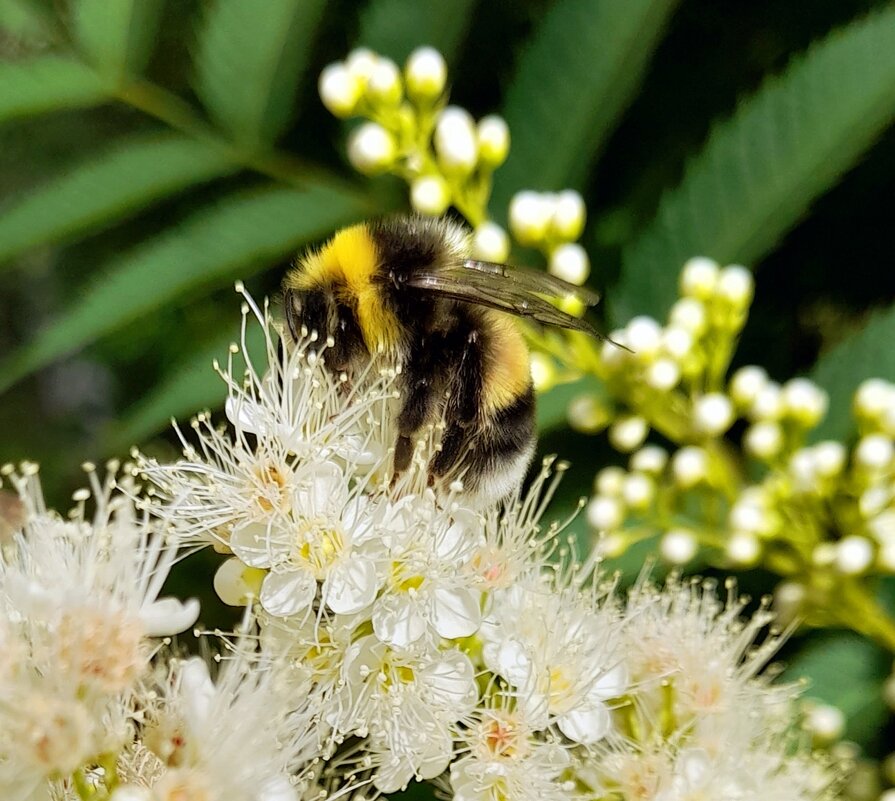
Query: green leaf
point(574, 79)
point(761, 168)
point(47, 83)
point(553, 405)
point(866, 354)
point(847, 671)
point(107, 186)
point(23, 20)
point(192, 385)
point(240, 235)
point(117, 35)
point(395, 28)
point(250, 61)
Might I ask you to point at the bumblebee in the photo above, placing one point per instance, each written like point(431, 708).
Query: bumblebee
point(407, 286)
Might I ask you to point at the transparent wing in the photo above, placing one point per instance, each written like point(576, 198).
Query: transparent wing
point(507, 289)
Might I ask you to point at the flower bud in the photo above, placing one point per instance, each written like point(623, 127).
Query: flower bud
point(494, 140)
point(455, 140)
point(339, 90)
point(745, 385)
point(689, 465)
point(490, 243)
point(361, 62)
point(568, 217)
point(611, 355)
point(748, 515)
point(235, 583)
point(689, 314)
point(768, 403)
point(763, 440)
point(529, 217)
point(662, 375)
point(789, 598)
point(649, 459)
point(609, 481)
point(713, 413)
point(874, 452)
point(587, 414)
point(699, 278)
point(803, 470)
point(371, 149)
point(873, 501)
point(425, 74)
point(854, 554)
point(804, 401)
point(638, 491)
point(570, 263)
point(628, 433)
point(743, 549)
point(735, 285)
point(644, 336)
point(678, 546)
point(543, 372)
point(677, 342)
point(605, 513)
point(430, 195)
point(130, 792)
point(873, 397)
point(825, 723)
point(829, 458)
point(384, 84)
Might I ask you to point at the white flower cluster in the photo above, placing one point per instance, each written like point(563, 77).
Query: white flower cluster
point(446, 643)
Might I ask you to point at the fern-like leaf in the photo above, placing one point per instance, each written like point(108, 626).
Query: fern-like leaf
point(761, 169)
point(192, 385)
point(107, 186)
point(47, 83)
point(234, 238)
point(117, 35)
point(573, 81)
point(866, 354)
point(250, 60)
point(394, 28)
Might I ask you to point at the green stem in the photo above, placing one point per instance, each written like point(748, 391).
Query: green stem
point(856, 607)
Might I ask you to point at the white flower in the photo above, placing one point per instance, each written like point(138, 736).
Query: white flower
point(530, 215)
point(372, 149)
point(699, 277)
point(490, 242)
point(430, 195)
point(494, 139)
point(339, 90)
point(558, 649)
point(455, 140)
point(569, 212)
point(570, 262)
point(425, 73)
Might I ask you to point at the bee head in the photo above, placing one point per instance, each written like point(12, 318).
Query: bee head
point(308, 310)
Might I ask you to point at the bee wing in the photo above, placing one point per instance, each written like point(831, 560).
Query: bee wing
point(535, 281)
point(505, 289)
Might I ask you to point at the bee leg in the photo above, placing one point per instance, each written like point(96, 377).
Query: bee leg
point(403, 454)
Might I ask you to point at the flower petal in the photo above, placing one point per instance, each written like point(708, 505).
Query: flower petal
point(586, 724)
point(168, 616)
point(397, 620)
point(251, 543)
point(285, 594)
point(456, 613)
point(611, 684)
point(350, 586)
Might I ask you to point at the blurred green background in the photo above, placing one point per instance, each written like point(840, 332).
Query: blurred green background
point(152, 152)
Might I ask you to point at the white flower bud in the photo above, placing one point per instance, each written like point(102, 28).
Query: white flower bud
point(885, 558)
point(743, 549)
point(888, 795)
point(677, 342)
point(699, 277)
point(745, 385)
point(735, 285)
point(529, 217)
point(494, 140)
point(803, 470)
point(361, 62)
point(662, 375)
point(763, 440)
point(455, 140)
point(873, 501)
point(690, 465)
point(804, 401)
point(825, 723)
point(854, 554)
point(649, 459)
point(235, 582)
point(824, 554)
point(644, 336)
point(678, 546)
point(611, 355)
point(339, 90)
point(638, 491)
point(689, 314)
point(627, 433)
point(611, 546)
point(371, 149)
point(873, 397)
point(874, 452)
point(490, 242)
point(430, 195)
point(789, 596)
point(610, 481)
point(570, 263)
point(543, 371)
point(425, 74)
point(768, 403)
point(384, 83)
point(749, 516)
point(130, 792)
point(568, 215)
point(882, 527)
point(586, 414)
point(713, 413)
point(605, 513)
point(829, 458)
